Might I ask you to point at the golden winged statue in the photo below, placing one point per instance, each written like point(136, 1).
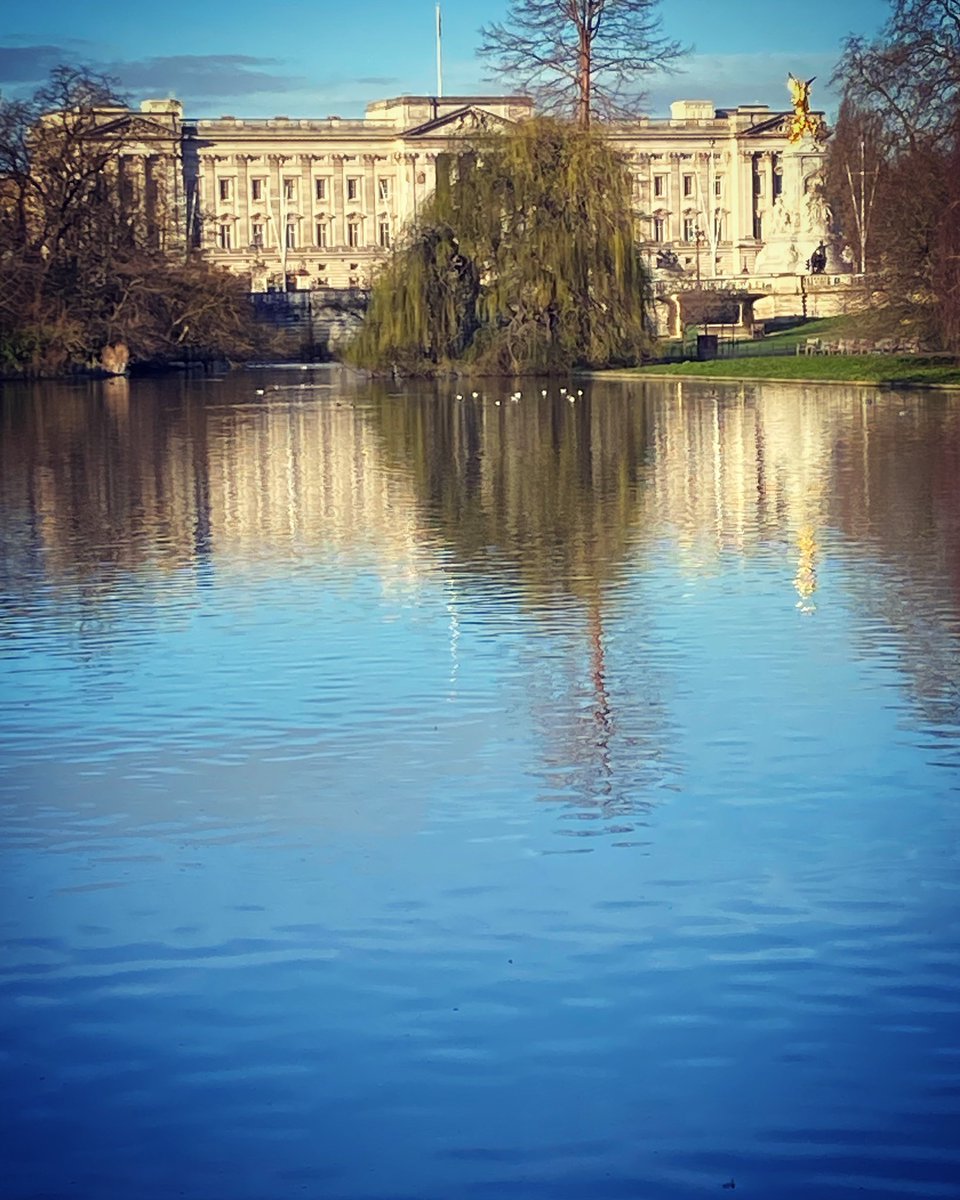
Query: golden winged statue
point(802, 123)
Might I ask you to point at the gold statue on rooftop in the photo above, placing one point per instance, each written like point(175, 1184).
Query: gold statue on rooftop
point(802, 123)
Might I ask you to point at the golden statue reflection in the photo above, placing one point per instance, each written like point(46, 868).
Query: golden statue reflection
point(805, 580)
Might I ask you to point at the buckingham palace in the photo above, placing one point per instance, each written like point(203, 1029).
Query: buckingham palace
point(297, 204)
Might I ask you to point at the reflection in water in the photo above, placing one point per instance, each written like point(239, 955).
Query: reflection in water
point(567, 499)
point(565, 494)
point(547, 492)
point(563, 790)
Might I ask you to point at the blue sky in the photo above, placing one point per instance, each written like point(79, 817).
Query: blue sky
point(312, 60)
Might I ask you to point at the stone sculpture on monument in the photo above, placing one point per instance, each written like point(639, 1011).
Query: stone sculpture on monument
point(800, 222)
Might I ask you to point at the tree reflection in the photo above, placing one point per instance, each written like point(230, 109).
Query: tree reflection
point(547, 485)
point(550, 507)
point(549, 489)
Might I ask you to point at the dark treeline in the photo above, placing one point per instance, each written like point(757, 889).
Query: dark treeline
point(80, 270)
point(894, 167)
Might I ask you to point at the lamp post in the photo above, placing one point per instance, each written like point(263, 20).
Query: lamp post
point(698, 240)
point(711, 208)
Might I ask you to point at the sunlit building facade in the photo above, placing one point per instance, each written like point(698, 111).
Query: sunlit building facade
point(301, 204)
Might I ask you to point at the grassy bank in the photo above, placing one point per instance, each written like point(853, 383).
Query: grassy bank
point(786, 361)
point(881, 370)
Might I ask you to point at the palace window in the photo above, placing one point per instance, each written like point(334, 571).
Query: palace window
point(256, 230)
point(290, 190)
point(659, 185)
point(226, 188)
point(758, 227)
point(322, 234)
point(353, 187)
point(688, 185)
point(320, 189)
point(383, 189)
point(718, 186)
point(385, 234)
point(718, 227)
point(225, 237)
point(353, 233)
point(256, 189)
point(659, 229)
point(291, 241)
point(689, 229)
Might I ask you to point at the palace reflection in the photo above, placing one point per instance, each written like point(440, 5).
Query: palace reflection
point(187, 474)
point(171, 480)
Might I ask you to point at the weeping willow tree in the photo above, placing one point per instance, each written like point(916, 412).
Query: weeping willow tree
point(524, 260)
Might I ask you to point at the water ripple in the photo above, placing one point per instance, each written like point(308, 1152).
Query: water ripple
point(405, 797)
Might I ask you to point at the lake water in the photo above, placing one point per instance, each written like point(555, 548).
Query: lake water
point(405, 797)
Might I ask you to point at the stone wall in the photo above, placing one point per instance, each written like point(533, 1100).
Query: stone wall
point(316, 324)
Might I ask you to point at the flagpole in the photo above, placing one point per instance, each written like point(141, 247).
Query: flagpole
point(439, 59)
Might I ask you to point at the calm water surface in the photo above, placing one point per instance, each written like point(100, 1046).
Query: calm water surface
point(404, 797)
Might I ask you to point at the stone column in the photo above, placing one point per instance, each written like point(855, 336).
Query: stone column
point(413, 163)
point(243, 201)
point(207, 200)
point(734, 171)
point(338, 225)
point(368, 234)
point(756, 201)
point(304, 208)
point(312, 206)
point(276, 207)
point(160, 177)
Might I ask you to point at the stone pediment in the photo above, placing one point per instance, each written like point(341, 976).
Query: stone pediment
point(469, 119)
point(136, 129)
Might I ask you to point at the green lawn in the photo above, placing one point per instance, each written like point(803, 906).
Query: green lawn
point(779, 340)
point(818, 327)
point(884, 370)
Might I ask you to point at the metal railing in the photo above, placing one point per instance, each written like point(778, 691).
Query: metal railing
point(676, 351)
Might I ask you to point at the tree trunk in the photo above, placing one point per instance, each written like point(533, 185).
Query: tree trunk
point(583, 77)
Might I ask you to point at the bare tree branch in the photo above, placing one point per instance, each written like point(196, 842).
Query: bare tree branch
point(894, 162)
point(580, 57)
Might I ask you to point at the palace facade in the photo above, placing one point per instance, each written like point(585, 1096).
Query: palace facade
point(299, 204)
